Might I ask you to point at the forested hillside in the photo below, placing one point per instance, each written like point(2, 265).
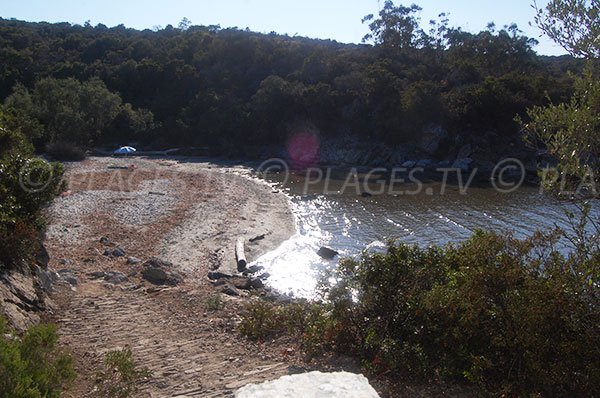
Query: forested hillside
point(207, 86)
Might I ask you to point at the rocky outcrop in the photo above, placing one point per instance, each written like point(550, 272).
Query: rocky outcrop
point(23, 291)
point(313, 384)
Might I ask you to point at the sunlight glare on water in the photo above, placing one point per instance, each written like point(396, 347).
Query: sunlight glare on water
point(349, 224)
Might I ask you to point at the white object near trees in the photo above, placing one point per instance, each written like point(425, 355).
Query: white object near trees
point(125, 150)
point(311, 385)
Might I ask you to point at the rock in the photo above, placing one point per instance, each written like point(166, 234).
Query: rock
point(215, 275)
point(409, 164)
point(230, 290)
point(44, 278)
point(160, 272)
point(313, 384)
point(431, 138)
point(462, 164)
point(97, 274)
point(241, 282)
point(366, 194)
point(327, 253)
point(42, 258)
point(64, 261)
point(257, 283)
point(116, 252)
point(68, 276)
point(264, 275)
point(423, 163)
point(133, 260)
point(104, 240)
point(253, 269)
point(115, 278)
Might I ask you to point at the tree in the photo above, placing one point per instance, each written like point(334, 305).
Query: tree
point(571, 131)
point(68, 110)
point(573, 24)
point(396, 27)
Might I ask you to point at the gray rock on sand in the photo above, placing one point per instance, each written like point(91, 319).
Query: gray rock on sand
point(159, 272)
point(115, 278)
point(116, 252)
point(216, 275)
point(230, 290)
point(68, 276)
point(133, 260)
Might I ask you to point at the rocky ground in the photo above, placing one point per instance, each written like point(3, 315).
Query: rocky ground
point(120, 213)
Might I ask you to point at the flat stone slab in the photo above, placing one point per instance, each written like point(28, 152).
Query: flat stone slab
point(311, 385)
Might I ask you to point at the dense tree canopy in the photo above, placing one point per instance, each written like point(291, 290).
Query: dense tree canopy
point(225, 87)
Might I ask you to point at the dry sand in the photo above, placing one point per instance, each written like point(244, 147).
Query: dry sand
point(184, 211)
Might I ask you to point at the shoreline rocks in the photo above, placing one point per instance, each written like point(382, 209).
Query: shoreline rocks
point(159, 272)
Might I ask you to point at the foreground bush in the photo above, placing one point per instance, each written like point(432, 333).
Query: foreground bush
point(27, 184)
point(33, 366)
point(511, 316)
point(120, 377)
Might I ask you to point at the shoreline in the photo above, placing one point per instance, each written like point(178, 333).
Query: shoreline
point(185, 211)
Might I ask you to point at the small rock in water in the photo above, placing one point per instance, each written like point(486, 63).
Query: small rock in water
point(327, 253)
point(257, 283)
point(264, 275)
point(253, 269)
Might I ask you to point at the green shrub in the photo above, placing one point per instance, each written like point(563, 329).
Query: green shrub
point(513, 316)
point(65, 151)
point(26, 185)
point(33, 366)
point(120, 377)
point(310, 323)
point(215, 303)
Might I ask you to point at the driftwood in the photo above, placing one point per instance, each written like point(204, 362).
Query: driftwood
point(240, 255)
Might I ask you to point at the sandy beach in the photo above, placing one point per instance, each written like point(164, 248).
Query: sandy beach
point(183, 211)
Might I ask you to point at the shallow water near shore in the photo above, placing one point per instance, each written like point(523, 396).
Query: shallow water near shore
point(349, 223)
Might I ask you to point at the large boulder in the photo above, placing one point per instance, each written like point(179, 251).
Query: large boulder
point(313, 384)
point(160, 272)
point(431, 139)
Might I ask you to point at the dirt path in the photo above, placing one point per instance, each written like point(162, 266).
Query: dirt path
point(185, 212)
